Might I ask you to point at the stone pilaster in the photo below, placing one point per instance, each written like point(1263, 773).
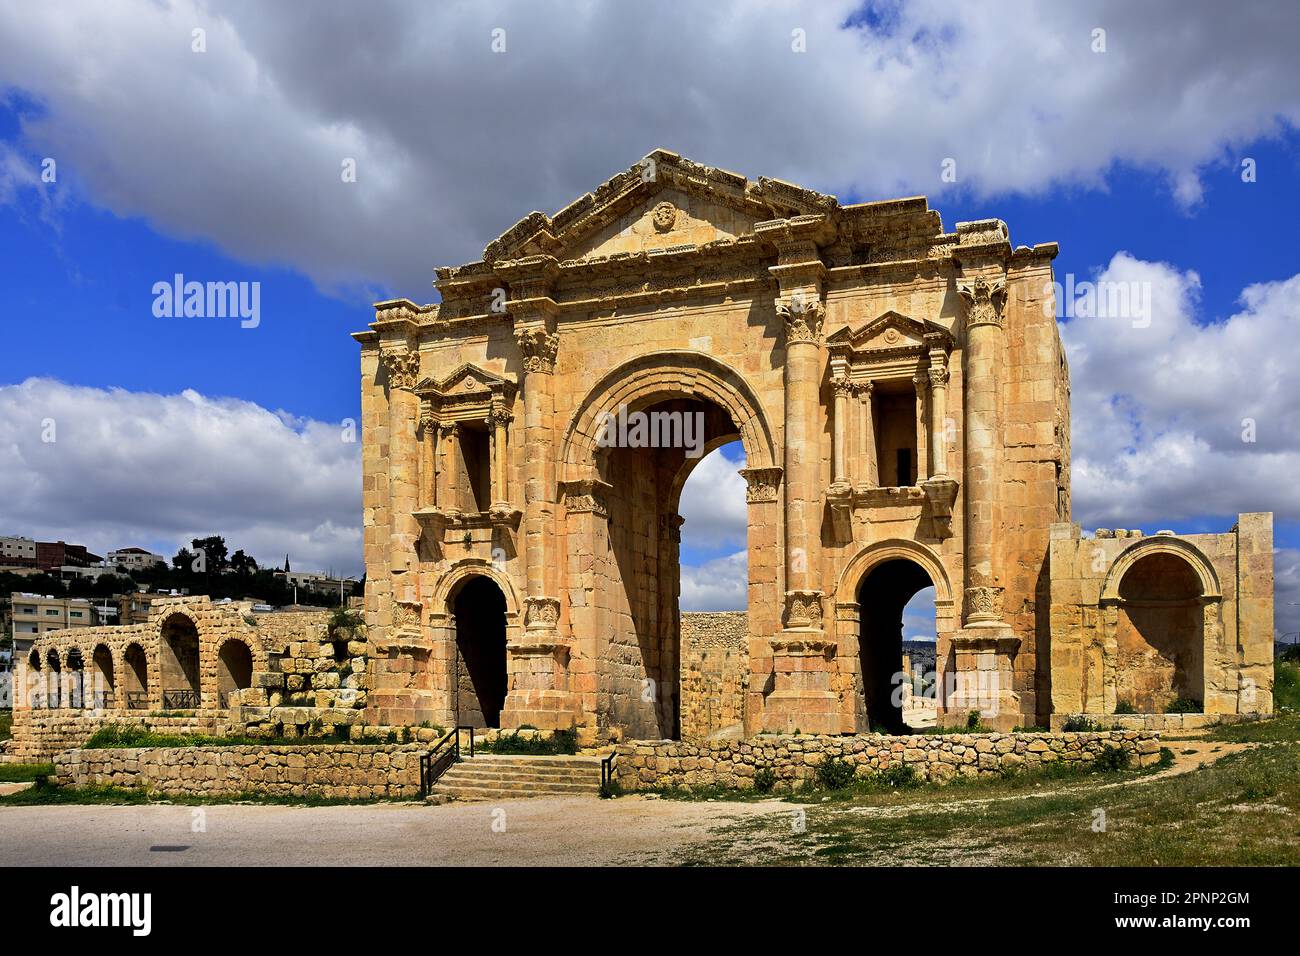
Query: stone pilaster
point(403, 368)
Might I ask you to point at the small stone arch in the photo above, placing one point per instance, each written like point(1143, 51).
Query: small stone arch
point(135, 676)
point(445, 593)
point(860, 565)
point(1162, 544)
point(104, 685)
point(235, 664)
point(179, 660)
point(660, 376)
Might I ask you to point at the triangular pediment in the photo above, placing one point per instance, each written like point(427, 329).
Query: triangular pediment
point(888, 332)
point(662, 202)
point(466, 381)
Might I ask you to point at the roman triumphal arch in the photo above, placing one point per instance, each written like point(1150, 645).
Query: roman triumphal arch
point(902, 396)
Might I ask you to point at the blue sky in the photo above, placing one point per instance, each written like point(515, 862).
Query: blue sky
point(222, 165)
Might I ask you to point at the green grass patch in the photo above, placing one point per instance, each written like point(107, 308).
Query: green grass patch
point(22, 772)
point(6, 724)
point(130, 736)
point(48, 794)
point(1286, 685)
point(559, 743)
point(1283, 729)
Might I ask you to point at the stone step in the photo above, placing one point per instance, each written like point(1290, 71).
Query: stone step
point(511, 776)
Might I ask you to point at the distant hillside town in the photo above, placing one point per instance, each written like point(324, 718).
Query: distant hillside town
point(53, 585)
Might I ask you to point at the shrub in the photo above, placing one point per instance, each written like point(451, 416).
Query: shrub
point(1111, 759)
point(973, 722)
point(1166, 758)
point(1286, 684)
point(343, 619)
point(1078, 724)
point(560, 742)
point(900, 777)
point(834, 773)
point(1184, 705)
point(1125, 707)
point(764, 779)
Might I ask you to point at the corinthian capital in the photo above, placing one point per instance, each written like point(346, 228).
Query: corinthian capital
point(803, 314)
point(403, 367)
point(984, 299)
point(540, 348)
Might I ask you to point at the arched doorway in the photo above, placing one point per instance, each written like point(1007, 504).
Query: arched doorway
point(234, 669)
point(103, 690)
point(135, 678)
point(35, 689)
point(885, 594)
point(1159, 635)
point(54, 695)
point(76, 679)
point(179, 663)
point(479, 609)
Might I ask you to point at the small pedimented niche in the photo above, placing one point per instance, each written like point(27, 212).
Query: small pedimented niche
point(467, 394)
point(889, 338)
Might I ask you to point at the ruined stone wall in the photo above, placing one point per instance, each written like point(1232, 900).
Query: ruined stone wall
point(39, 735)
point(1139, 621)
point(337, 771)
point(715, 673)
point(934, 757)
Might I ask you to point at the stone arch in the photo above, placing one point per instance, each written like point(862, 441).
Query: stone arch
point(105, 671)
point(660, 376)
point(455, 578)
point(235, 665)
point(481, 641)
point(76, 679)
point(179, 656)
point(135, 676)
point(55, 693)
point(1159, 632)
point(1162, 544)
point(863, 677)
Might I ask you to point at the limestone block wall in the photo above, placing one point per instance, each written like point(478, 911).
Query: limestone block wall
point(715, 673)
point(39, 735)
point(330, 771)
point(1139, 622)
point(934, 757)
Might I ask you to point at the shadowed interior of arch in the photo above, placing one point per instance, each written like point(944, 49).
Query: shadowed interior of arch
point(886, 593)
point(642, 594)
point(178, 663)
point(1159, 637)
point(479, 608)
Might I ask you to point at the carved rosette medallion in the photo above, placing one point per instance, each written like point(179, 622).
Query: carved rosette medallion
point(984, 603)
point(762, 485)
point(803, 609)
point(803, 315)
point(403, 367)
point(664, 216)
point(540, 348)
point(541, 612)
point(984, 300)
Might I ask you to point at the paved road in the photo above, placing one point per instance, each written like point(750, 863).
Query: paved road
point(565, 831)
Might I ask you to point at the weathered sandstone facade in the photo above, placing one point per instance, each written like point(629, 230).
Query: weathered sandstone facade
point(902, 397)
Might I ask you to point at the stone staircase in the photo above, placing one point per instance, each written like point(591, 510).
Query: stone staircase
point(502, 777)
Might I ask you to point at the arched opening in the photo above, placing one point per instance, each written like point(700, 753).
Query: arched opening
point(479, 609)
point(647, 456)
point(896, 614)
point(104, 687)
point(1159, 636)
point(36, 688)
point(135, 679)
point(234, 669)
point(179, 663)
point(54, 681)
point(76, 679)
point(713, 596)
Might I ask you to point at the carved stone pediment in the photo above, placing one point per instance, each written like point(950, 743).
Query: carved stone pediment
point(468, 392)
point(888, 336)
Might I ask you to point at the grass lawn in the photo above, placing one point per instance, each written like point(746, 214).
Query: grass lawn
point(22, 772)
point(6, 722)
point(1242, 810)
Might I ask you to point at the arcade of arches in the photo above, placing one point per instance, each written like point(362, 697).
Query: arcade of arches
point(902, 396)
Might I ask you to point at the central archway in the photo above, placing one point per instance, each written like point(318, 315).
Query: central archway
point(479, 609)
point(632, 443)
point(178, 659)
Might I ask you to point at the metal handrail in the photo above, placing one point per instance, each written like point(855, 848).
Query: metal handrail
point(180, 700)
point(137, 700)
point(439, 759)
point(608, 770)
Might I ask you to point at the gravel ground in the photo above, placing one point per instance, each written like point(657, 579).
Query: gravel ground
point(561, 831)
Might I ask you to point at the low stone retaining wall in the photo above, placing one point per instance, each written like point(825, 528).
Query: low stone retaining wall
point(1162, 721)
point(936, 757)
point(340, 771)
point(40, 734)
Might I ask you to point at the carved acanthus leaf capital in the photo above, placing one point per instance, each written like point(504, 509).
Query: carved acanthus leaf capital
point(540, 348)
point(403, 367)
point(803, 314)
point(984, 299)
point(762, 484)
